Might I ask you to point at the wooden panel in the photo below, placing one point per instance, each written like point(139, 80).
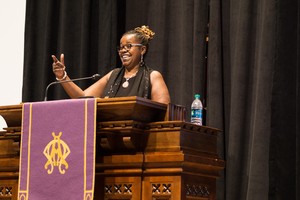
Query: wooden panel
point(178, 135)
point(162, 188)
point(120, 136)
point(8, 189)
point(12, 114)
point(9, 168)
point(198, 187)
point(122, 188)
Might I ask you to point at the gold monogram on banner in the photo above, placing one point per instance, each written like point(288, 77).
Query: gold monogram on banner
point(56, 152)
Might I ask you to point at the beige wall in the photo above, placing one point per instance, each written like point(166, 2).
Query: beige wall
point(12, 20)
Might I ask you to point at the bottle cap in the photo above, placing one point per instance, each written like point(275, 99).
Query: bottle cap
point(197, 96)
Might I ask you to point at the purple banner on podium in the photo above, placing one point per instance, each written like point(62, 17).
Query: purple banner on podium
point(57, 158)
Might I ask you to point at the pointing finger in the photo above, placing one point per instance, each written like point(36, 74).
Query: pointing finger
point(54, 58)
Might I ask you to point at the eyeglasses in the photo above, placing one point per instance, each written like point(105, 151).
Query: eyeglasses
point(127, 47)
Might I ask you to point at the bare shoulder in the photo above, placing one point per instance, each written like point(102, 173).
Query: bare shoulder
point(159, 90)
point(107, 76)
point(155, 74)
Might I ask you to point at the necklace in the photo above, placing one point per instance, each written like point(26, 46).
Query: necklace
point(126, 83)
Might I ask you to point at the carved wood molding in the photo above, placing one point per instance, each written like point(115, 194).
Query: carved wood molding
point(161, 190)
point(197, 190)
point(11, 133)
point(176, 125)
point(118, 191)
point(6, 191)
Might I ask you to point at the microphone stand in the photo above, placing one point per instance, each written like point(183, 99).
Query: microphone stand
point(95, 77)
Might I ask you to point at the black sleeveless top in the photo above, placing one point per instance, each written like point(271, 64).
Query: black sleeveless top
point(139, 85)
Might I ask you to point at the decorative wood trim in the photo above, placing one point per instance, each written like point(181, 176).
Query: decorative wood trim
point(8, 191)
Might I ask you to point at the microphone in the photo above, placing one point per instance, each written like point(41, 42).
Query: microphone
point(94, 77)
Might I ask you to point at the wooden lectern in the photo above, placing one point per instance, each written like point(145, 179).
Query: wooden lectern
point(145, 151)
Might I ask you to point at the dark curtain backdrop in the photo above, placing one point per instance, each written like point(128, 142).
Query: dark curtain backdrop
point(247, 73)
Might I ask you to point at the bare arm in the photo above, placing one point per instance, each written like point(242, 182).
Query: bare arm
point(71, 88)
point(97, 88)
point(159, 92)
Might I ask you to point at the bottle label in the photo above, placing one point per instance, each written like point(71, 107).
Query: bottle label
point(196, 113)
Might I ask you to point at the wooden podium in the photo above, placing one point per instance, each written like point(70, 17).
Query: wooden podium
point(145, 151)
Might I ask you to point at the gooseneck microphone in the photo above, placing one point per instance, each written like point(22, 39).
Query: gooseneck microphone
point(94, 77)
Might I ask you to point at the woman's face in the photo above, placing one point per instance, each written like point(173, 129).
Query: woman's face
point(130, 51)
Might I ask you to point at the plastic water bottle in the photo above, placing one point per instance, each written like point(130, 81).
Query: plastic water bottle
point(196, 110)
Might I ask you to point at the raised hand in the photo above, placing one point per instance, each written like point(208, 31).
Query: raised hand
point(58, 67)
